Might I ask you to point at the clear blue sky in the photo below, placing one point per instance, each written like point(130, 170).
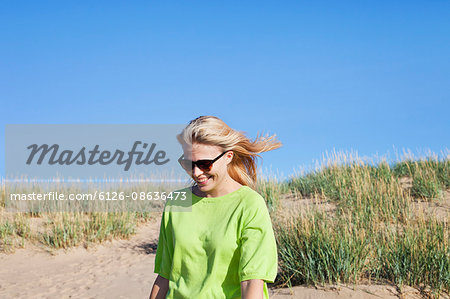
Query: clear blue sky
point(367, 76)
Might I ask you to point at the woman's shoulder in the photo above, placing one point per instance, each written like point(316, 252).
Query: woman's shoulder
point(254, 208)
point(251, 198)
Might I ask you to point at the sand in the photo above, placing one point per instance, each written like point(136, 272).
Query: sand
point(124, 269)
point(117, 269)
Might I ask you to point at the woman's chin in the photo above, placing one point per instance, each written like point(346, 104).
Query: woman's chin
point(205, 187)
point(205, 184)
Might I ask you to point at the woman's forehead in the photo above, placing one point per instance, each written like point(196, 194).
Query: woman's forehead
point(201, 149)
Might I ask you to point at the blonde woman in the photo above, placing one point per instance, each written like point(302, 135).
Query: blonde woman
point(225, 247)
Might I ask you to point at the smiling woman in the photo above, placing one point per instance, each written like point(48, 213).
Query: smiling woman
point(225, 247)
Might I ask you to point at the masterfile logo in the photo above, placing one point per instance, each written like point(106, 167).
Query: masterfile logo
point(71, 167)
point(91, 151)
point(91, 157)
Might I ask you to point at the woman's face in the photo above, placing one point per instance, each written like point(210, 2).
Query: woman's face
point(211, 181)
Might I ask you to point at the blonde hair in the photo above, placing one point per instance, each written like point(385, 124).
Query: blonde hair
point(212, 130)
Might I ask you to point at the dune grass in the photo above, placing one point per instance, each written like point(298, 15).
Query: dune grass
point(65, 229)
point(68, 229)
point(376, 233)
point(14, 232)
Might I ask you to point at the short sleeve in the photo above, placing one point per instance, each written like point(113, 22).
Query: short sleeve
point(258, 249)
point(164, 250)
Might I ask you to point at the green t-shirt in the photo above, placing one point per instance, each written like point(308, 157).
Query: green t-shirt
point(206, 253)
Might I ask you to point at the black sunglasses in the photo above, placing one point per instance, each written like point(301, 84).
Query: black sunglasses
point(204, 165)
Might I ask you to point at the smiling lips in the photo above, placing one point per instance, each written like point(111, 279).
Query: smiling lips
point(202, 180)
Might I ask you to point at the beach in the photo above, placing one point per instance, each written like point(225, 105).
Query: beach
point(124, 269)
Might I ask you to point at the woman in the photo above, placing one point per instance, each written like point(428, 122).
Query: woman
point(224, 247)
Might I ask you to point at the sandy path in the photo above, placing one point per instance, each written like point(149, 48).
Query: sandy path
point(121, 269)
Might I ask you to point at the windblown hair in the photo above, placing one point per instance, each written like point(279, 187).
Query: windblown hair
point(212, 130)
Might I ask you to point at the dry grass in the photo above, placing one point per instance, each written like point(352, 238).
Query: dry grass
point(351, 221)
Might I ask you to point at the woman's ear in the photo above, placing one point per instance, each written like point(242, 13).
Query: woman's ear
point(229, 156)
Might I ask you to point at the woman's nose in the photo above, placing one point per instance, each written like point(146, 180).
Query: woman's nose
point(196, 171)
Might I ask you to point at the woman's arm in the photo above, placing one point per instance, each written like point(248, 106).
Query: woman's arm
point(252, 289)
point(160, 288)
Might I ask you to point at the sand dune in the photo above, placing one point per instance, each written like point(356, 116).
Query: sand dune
point(124, 269)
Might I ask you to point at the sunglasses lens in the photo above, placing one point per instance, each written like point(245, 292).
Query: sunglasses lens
point(204, 165)
point(186, 164)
